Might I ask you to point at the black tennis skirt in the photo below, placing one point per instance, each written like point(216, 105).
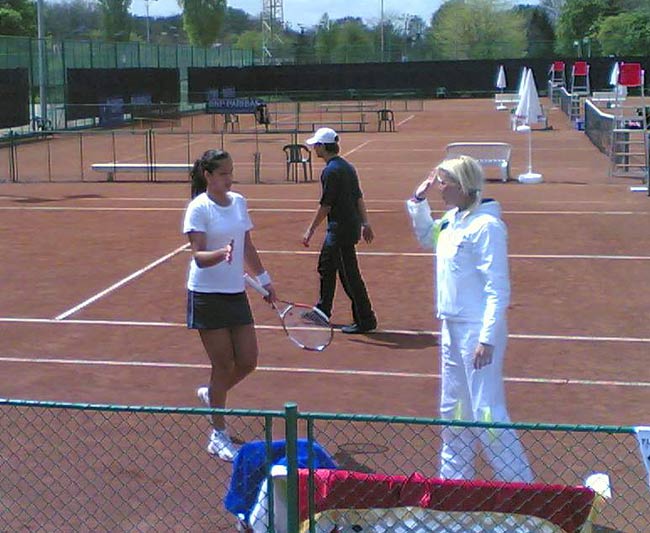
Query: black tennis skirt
point(216, 310)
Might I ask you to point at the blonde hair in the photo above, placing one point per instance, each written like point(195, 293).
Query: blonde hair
point(468, 173)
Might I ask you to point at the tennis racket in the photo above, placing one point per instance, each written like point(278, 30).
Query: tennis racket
point(306, 326)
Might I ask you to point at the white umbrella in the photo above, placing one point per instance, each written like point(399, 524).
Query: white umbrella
point(522, 82)
point(529, 111)
point(619, 90)
point(613, 76)
point(501, 78)
point(501, 84)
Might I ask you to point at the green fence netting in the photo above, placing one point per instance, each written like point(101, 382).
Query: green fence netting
point(79, 467)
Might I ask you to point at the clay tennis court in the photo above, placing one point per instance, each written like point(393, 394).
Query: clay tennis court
point(93, 276)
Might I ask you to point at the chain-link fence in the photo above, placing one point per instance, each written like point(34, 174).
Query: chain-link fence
point(72, 467)
point(59, 56)
point(163, 149)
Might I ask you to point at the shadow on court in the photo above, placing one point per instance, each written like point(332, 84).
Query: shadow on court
point(398, 341)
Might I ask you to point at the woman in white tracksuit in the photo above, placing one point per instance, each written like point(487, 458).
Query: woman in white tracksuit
point(473, 292)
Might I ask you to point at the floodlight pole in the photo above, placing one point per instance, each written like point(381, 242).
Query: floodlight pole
point(381, 29)
point(42, 72)
point(146, 4)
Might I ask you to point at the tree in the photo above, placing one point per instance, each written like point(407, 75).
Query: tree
point(325, 39)
point(18, 17)
point(578, 24)
point(539, 31)
point(478, 29)
point(353, 43)
point(626, 34)
point(116, 19)
point(553, 8)
point(76, 19)
point(249, 40)
point(203, 20)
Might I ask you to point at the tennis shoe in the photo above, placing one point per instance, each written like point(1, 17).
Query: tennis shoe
point(221, 445)
point(204, 395)
point(355, 329)
point(315, 318)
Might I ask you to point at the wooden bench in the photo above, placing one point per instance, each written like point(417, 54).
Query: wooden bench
point(149, 168)
point(488, 154)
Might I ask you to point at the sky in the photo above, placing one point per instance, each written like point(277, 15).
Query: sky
point(309, 12)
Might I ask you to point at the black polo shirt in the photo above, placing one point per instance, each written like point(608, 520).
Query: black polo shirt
point(341, 192)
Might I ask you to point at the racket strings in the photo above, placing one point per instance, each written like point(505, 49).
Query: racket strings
point(307, 327)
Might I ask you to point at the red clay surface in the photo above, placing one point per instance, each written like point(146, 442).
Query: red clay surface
point(579, 263)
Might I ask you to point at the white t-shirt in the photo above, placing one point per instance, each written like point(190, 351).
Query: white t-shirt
point(221, 225)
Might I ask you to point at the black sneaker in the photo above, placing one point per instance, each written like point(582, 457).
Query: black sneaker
point(353, 329)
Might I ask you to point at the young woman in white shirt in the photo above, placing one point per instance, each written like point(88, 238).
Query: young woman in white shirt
point(218, 228)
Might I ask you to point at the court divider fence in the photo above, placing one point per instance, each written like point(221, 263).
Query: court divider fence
point(68, 155)
point(85, 467)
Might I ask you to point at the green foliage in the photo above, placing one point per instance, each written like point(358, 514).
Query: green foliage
point(478, 29)
point(626, 34)
point(325, 40)
point(72, 20)
point(18, 17)
point(539, 31)
point(579, 21)
point(249, 40)
point(116, 19)
point(552, 8)
point(353, 44)
point(203, 20)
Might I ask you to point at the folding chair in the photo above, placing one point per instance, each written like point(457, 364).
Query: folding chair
point(298, 155)
point(385, 119)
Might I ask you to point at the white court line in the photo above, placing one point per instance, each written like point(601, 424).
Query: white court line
point(410, 117)
point(356, 148)
point(413, 332)
point(283, 200)
point(176, 209)
point(120, 283)
point(300, 210)
point(511, 256)
point(319, 371)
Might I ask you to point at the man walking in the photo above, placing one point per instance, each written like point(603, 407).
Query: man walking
point(342, 204)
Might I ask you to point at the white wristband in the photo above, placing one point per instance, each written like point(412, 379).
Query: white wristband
point(263, 279)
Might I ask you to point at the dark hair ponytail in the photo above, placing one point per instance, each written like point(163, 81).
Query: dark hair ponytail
point(209, 161)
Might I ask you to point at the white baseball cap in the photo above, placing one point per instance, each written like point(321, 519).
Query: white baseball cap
point(323, 136)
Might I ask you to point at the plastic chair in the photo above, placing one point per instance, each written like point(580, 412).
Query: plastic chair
point(580, 78)
point(298, 155)
point(231, 120)
point(630, 75)
point(385, 119)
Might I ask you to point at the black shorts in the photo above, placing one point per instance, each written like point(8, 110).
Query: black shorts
point(216, 310)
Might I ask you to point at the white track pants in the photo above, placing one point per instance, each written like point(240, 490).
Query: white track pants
point(476, 395)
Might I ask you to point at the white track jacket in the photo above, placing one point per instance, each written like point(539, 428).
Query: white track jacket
point(472, 277)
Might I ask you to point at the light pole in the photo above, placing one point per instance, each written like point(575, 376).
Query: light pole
point(381, 29)
point(42, 72)
point(146, 4)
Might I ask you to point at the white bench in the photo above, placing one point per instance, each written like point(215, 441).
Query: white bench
point(488, 154)
point(502, 100)
point(150, 168)
point(609, 98)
